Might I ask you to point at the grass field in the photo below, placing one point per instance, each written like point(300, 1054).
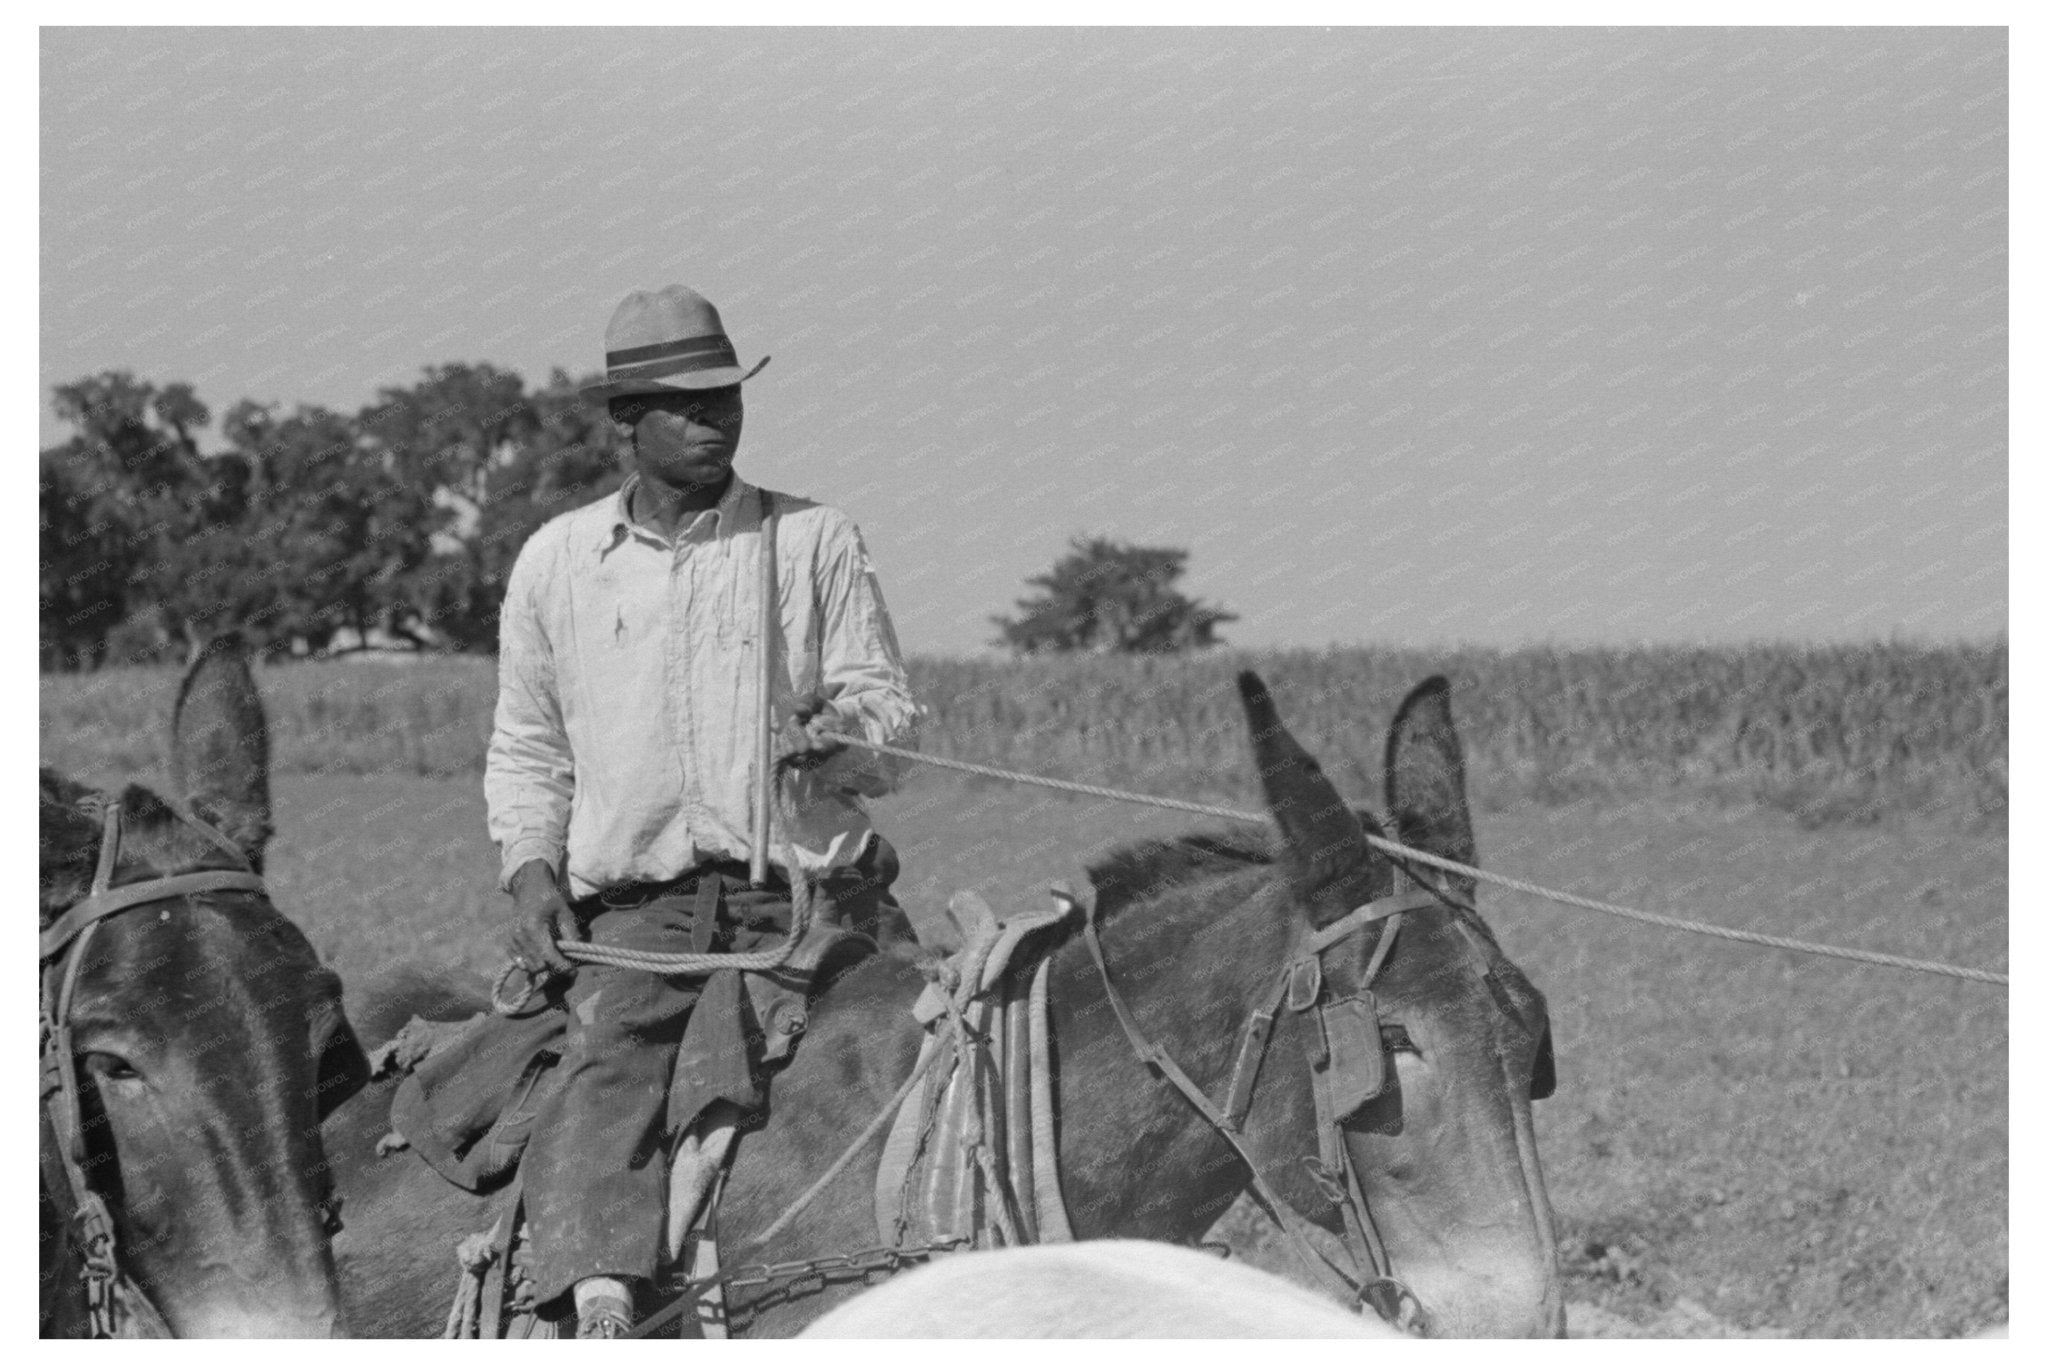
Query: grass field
point(1742, 1141)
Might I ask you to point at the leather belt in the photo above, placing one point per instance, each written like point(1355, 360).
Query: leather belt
point(632, 895)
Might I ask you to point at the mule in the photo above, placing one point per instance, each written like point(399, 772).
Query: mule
point(1106, 1289)
point(203, 1042)
point(1195, 931)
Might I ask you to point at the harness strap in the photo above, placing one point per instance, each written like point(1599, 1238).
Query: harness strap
point(93, 1222)
point(1383, 948)
point(104, 900)
point(93, 909)
point(1336, 932)
point(1336, 1179)
point(79, 1208)
point(1333, 1160)
point(1155, 1057)
point(1251, 1053)
point(110, 846)
point(1298, 986)
point(1258, 1028)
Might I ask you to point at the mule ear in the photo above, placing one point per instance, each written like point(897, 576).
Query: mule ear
point(220, 747)
point(70, 841)
point(1323, 839)
point(1426, 779)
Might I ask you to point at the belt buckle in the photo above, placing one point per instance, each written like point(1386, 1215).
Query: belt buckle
point(631, 895)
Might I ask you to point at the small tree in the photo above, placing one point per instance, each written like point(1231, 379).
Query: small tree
point(1110, 597)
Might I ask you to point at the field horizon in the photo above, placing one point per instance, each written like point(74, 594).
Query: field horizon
point(1835, 735)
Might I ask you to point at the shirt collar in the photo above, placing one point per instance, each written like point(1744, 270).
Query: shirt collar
point(726, 517)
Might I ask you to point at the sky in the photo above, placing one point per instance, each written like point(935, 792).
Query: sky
point(1411, 337)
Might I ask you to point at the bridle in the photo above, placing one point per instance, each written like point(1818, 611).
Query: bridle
point(65, 1161)
point(1347, 1067)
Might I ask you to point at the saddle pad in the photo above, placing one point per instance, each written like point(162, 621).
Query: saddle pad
point(971, 1154)
point(1002, 938)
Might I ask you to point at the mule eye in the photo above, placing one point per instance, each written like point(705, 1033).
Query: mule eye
point(108, 1067)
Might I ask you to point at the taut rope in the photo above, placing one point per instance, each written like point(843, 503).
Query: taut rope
point(1402, 851)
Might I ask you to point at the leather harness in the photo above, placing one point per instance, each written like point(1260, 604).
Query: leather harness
point(1347, 1070)
point(65, 1161)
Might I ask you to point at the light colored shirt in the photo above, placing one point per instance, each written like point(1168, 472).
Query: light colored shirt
point(628, 691)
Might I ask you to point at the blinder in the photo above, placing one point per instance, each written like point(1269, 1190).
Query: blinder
point(1357, 1053)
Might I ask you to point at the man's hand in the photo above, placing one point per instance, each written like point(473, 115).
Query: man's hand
point(811, 734)
point(540, 916)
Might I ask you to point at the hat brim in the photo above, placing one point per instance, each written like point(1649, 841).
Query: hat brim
point(725, 376)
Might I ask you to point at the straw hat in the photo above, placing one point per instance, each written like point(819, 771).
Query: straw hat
point(666, 341)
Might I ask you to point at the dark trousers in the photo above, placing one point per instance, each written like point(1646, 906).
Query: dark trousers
point(596, 1169)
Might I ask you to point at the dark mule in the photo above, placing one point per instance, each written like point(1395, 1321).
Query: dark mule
point(1195, 932)
point(205, 1044)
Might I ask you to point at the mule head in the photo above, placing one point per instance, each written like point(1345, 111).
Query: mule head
point(209, 1044)
point(1445, 1151)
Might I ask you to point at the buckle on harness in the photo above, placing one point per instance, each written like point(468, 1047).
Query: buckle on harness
point(1396, 1304)
point(1304, 983)
point(1330, 1183)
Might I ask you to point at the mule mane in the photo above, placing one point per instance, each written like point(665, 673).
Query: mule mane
point(1134, 872)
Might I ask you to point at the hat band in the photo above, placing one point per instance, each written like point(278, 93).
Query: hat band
point(670, 357)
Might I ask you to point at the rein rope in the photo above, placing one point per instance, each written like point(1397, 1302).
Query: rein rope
point(1416, 855)
point(517, 985)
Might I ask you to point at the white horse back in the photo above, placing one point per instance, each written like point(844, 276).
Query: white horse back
point(1091, 1289)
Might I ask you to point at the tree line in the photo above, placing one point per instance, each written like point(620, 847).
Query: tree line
point(311, 530)
point(303, 528)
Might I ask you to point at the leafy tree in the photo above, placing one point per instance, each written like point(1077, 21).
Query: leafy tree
point(499, 462)
point(1110, 597)
point(127, 509)
point(84, 561)
point(405, 516)
point(336, 532)
point(567, 457)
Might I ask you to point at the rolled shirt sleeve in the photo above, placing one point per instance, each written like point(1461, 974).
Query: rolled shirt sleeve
point(529, 779)
point(861, 669)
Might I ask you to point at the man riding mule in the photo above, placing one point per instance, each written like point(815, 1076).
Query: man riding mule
point(192, 1042)
point(623, 783)
point(1172, 971)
